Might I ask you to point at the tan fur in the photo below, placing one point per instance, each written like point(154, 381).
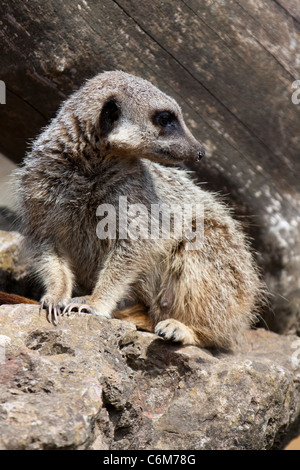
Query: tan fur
point(137, 314)
point(13, 299)
point(106, 142)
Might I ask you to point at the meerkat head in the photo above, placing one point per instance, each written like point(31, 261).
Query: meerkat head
point(131, 118)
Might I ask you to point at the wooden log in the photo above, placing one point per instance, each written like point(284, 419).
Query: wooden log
point(231, 65)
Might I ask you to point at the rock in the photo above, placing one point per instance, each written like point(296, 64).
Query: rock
point(93, 383)
point(10, 243)
point(14, 276)
point(11, 269)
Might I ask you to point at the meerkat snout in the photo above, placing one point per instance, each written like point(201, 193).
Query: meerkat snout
point(163, 137)
point(200, 154)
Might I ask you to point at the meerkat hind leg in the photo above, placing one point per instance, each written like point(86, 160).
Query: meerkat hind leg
point(174, 330)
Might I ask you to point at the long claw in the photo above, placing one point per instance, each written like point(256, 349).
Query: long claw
point(55, 315)
point(49, 313)
point(79, 307)
point(53, 312)
point(85, 307)
point(41, 308)
point(56, 310)
point(68, 308)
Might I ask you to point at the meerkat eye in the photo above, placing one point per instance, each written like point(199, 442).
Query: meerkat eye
point(109, 115)
point(165, 119)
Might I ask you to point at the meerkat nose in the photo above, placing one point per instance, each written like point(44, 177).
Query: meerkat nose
point(200, 154)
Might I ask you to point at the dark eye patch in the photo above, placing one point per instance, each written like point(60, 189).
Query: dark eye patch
point(166, 120)
point(110, 113)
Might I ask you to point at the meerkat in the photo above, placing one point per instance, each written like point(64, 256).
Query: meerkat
point(112, 139)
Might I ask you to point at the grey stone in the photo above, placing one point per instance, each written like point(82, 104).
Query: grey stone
point(93, 383)
point(14, 274)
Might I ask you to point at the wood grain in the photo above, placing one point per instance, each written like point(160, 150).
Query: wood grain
point(229, 64)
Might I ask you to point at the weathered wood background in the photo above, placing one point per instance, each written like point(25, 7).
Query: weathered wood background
point(229, 63)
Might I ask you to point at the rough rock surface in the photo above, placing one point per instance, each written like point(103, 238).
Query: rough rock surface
point(10, 249)
point(93, 383)
point(14, 277)
point(11, 269)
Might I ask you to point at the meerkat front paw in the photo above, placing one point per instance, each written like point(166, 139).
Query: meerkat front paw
point(53, 306)
point(174, 330)
point(81, 309)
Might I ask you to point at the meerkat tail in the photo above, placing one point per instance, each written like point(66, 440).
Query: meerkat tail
point(13, 299)
point(137, 314)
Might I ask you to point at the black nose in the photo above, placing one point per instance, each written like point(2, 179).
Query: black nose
point(200, 154)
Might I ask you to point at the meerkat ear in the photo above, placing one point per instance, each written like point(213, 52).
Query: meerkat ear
point(109, 115)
